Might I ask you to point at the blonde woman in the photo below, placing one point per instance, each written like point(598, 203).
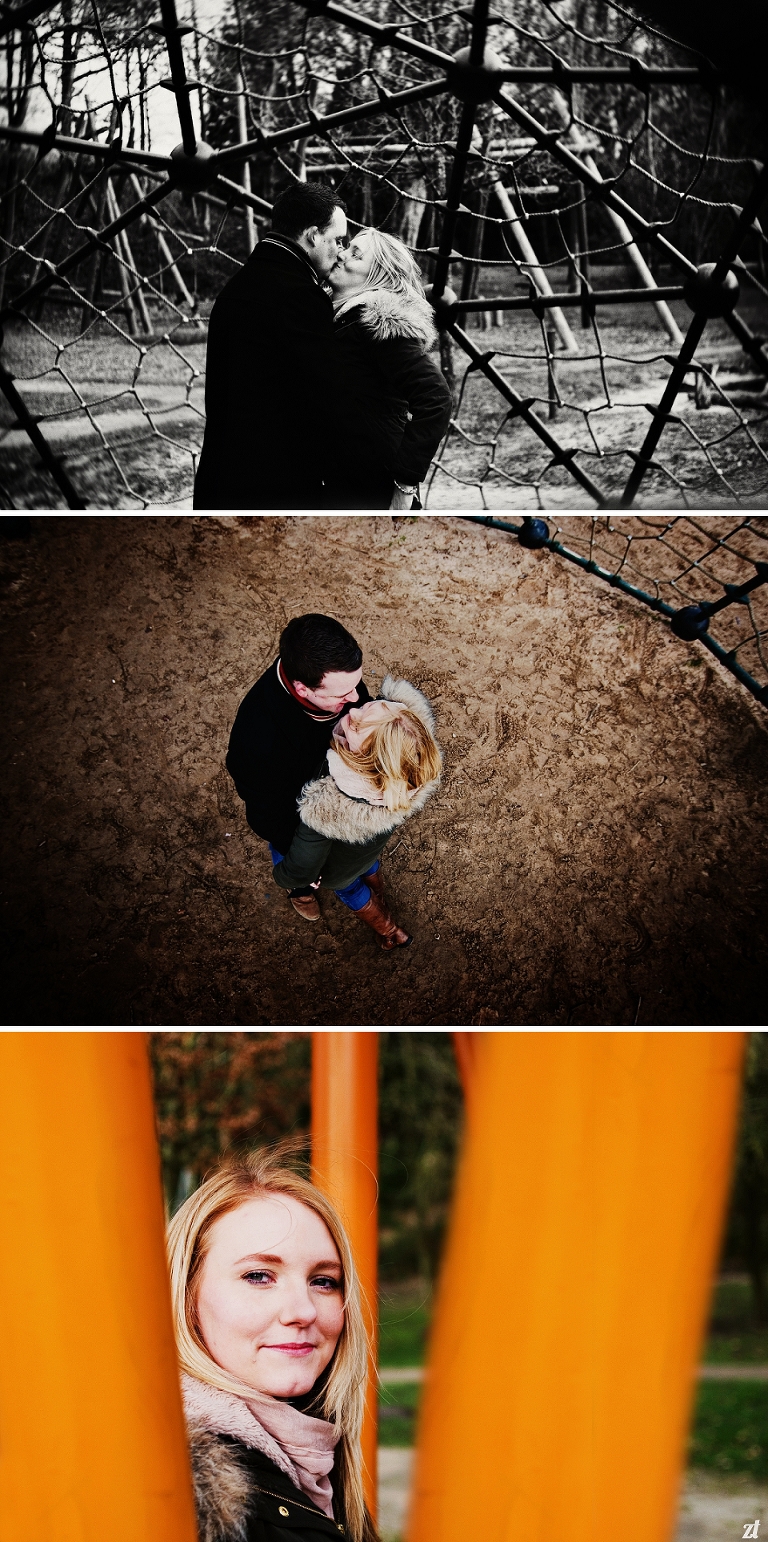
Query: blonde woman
point(273, 1356)
point(390, 404)
point(382, 767)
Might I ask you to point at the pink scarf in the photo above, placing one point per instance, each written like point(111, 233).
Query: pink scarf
point(301, 1446)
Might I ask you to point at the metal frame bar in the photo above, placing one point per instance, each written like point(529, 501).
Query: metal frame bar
point(590, 298)
point(663, 413)
point(559, 73)
point(523, 408)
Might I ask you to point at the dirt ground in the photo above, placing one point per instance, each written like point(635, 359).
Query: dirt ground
point(594, 856)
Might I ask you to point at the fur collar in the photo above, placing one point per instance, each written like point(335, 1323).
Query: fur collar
point(329, 811)
point(385, 314)
point(222, 1486)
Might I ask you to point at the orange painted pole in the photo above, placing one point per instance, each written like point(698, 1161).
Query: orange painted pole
point(91, 1430)
point(465, 1049)
point(344, 1166)
point(574, 1291)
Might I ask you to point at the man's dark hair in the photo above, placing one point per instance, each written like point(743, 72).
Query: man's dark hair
point(302, 205)
point(313, 646)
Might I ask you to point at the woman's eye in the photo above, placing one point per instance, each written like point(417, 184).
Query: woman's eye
point(258, 1277)
point(326, 1282)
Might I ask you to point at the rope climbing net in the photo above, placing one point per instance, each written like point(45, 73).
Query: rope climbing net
point(702, 575)
point(581, 193)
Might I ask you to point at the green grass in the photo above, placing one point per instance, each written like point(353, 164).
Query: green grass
point(733, 1338)
point(398, 1407)
point(730, 1427)
point(404, 1315)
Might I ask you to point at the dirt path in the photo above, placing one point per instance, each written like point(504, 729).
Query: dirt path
point(712, 1508)
point(594, 855)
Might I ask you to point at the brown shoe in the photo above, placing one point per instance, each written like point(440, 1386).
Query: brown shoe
point(306, 906)
point(375, 882)
point(376, 915)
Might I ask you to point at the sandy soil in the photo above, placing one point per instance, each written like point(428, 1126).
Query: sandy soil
point(594, 855)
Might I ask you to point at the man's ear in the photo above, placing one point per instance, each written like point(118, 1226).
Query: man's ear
point(311, 234)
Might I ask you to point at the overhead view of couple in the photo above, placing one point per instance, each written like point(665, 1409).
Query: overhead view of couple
point(320, 391)
point(327, 773)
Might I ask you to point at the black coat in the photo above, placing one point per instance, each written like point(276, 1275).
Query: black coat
point(390, 405)
point(241, 1496)
point(274, 748)
point(267, 371)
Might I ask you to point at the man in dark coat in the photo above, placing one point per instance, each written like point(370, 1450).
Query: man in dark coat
point(268, 363)
point(283, 729)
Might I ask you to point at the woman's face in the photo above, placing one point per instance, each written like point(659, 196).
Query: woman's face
point(353, 730)
point(352, 266)
point(270, 1300)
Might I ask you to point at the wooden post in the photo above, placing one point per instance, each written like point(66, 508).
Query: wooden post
point(344, 1166)
point(537, 273)
point(93, 1441)
point(575, 1287)
point(242, 129)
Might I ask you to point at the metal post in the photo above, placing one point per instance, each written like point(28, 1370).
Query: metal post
point(242, 130)
point(589, 1204)
point(84, 1299)
point(344, 1164)
point(581, 221)
point(552, 372)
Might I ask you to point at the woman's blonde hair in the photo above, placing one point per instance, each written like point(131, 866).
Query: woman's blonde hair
point(240, 1178)
point(398, 757)
point(392, 265)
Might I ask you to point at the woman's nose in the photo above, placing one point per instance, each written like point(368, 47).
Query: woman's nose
point(298, 1307)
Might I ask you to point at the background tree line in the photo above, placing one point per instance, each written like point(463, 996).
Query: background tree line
point(216, 1090)
point(269, 63)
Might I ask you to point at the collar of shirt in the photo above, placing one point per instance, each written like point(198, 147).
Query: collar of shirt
point(287, 244)
point(316, 713)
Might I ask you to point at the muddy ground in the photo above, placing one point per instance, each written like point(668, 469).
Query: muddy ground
point(595, 855)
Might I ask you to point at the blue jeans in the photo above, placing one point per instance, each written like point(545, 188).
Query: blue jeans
point(354, 896)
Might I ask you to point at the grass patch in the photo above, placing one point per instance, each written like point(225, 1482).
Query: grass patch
point(733, 1337)
point(404, 1316)
point(398, 1407)
point(730, 1428)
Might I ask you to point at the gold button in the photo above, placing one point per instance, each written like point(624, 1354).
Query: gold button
point(281, 1510)
point(340, 1527)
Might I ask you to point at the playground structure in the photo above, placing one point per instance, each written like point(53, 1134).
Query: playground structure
point(710, 564)
point(538, 169)
point(571, 1304)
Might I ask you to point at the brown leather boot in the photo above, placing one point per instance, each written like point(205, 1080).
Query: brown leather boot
point(376, 915)
point(375, 881)
point(306, 905)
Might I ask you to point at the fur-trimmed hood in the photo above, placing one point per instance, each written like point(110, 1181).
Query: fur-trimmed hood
point(385, 314)
point(332, 813)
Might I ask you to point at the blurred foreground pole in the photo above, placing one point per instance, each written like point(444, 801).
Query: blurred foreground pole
point(344, 1166)
point(91, 1431)
point(465, 1046)
point(575, 1285)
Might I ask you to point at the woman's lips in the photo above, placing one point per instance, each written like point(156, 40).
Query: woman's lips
point(292, 1349)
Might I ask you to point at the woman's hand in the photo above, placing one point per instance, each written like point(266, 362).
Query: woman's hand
point(402, 497)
